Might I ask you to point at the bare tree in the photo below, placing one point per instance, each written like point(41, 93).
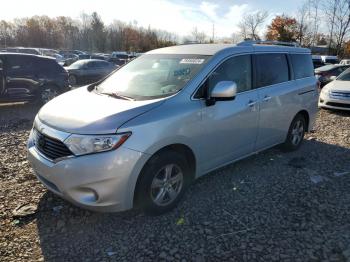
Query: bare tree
point(251, 23)
point(236, 38)
point(341, 23)
point(198, 36)
point(304, 25)
point(313, 13)
point(338, 18)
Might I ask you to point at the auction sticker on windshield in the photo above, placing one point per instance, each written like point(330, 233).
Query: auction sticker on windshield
point(196, 61)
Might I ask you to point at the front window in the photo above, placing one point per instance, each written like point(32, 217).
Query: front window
point(153, 76)
point(344, 76)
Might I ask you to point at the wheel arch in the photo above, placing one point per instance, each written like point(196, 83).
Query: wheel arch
point(306, 116)
point(176, 147)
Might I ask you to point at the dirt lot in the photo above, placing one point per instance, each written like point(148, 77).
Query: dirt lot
point(273, 206)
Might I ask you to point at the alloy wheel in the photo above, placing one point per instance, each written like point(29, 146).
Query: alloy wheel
point(297, 132)
point(167, 185)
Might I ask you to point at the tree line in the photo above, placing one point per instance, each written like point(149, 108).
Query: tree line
point(316, 22)
point(88, 33)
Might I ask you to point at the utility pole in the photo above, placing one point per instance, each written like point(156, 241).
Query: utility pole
point(213, 34)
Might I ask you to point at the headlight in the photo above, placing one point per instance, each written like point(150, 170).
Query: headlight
point(325, 91)
point(87, 144)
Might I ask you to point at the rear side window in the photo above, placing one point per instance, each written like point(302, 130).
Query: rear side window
point(19, 63)
point(101, 64)
point(302, 66)
point(92, 65)
point(271, 69)
point(48, 65)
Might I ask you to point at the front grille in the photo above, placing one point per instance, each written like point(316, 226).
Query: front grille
point(338, 105)
point(340, 94)
point(50, 147)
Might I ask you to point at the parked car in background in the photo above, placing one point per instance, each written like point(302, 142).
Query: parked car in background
point(22, 50)
point(53, 53)
point(26, 77)
point(139, 137)
point(88, 71)
point(325, 73)
point(69, 58)
point(100, 56)
point(345, 62)
point(328, 59)
point(336, 94)
point(119, 58)
point(84, 56)
point(317, 61)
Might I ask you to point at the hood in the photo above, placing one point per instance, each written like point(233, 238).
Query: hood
point(338, 85)
point(83, 112)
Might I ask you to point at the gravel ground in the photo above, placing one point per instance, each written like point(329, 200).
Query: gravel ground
point(272, 206)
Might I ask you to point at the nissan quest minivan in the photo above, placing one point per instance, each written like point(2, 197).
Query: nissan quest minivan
point(141, 135)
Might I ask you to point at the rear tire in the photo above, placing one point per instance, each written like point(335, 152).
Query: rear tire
point(72, 80)
point(162, 182)
point(295, 134)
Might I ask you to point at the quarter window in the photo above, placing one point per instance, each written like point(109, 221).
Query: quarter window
point(271, 69)
point(302, 66)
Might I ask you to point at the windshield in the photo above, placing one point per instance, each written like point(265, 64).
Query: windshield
point(153, 76)
point(344, 76)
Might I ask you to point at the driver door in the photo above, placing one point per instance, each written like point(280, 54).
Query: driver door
point(229, 128)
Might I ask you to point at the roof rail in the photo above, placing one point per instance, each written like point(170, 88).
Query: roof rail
point(267, 42)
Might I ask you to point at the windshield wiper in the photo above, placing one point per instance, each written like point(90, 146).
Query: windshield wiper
point(115, 95)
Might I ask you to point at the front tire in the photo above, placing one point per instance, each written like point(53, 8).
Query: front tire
point(47, 93)
point(162, 183)
point(296, 133)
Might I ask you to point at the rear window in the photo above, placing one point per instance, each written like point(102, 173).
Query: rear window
point(302, 66)
point(271, 69)
point(48, 65)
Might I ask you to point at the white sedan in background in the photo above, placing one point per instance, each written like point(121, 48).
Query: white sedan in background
point(336, 94)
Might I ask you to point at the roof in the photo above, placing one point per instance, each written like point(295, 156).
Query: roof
point(212, 49)
point(25, 54)
point(328, 67)
point(199, 49)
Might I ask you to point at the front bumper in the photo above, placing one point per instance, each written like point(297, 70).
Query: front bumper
point(328, 101)
point(100, 182)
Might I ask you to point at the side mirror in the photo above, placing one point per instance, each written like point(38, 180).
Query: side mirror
point(333, 78)
point(223, 90)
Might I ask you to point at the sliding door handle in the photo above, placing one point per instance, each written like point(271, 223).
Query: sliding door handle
point(266, 98)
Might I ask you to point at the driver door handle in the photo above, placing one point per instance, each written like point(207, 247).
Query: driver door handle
point(251, 103)
point(266, 98)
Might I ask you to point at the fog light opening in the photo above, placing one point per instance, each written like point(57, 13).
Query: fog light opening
point(86, 195)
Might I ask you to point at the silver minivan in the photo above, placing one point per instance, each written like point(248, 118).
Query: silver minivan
point(141, 135)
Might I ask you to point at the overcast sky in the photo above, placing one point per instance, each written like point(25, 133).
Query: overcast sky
point(178, 16)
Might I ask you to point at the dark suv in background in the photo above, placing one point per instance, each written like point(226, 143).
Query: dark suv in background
point(26, 77)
